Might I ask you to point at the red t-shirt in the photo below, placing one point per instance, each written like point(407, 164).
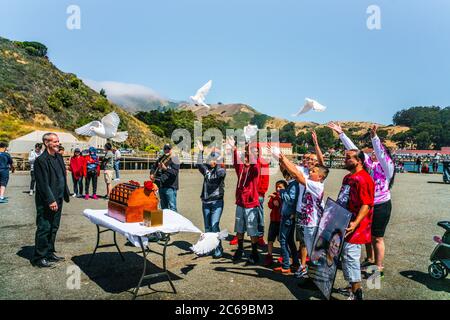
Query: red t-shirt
point(357, 190)
point(275, 214)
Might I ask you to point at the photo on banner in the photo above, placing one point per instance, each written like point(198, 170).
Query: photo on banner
point(328, 245)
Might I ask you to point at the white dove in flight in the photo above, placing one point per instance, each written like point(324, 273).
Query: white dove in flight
point(250, 131)
point(200, 96)
point(310, 105)
point(107, 129)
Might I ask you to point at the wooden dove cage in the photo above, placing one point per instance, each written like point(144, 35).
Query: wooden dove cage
point(127, 202)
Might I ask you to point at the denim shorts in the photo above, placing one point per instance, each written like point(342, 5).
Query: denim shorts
point(247, 221)
point(4, 177)
point(306, 237)
point(351, 267)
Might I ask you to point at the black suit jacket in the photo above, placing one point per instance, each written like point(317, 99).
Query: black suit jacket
point(47, 180)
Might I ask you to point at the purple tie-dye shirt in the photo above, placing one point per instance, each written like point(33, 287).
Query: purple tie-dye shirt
point(381, 171)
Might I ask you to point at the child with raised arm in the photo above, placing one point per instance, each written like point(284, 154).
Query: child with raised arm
point(381, 167)
point(289, 198)
point(247, 201)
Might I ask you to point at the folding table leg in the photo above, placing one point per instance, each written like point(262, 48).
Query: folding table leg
point(98, 246)
point(151, 276)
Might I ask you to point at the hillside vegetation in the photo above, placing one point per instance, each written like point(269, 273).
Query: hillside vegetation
point(35, 94)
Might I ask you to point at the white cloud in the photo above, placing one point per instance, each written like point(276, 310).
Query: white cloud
point(120, 89)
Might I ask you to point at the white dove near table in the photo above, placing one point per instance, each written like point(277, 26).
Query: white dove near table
point(208, 242)
point(106, 128)
point(310, 105)
point(200, 96)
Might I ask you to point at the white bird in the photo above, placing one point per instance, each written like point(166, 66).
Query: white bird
point(250, 131)
point(200, 96)
point(107, 128)
point(310, 105)
point(208, 242)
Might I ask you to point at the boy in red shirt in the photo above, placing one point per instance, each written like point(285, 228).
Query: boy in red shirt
point(357, 195)
point(275, 218)
point(247, 201)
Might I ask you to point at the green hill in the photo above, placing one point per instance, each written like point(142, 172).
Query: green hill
point(34, 94)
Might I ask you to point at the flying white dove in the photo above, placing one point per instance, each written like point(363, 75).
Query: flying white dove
point(200, 96)
point(250, 131)
point(107, 128)
point(310, 105)
point(208, 242)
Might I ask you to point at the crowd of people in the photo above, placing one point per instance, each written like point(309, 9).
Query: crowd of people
point(296, 203)
point(297, 206)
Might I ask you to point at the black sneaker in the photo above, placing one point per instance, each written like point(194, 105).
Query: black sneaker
point(238, 255)
point(347, 292)
point(253, 259)
point(357, 295)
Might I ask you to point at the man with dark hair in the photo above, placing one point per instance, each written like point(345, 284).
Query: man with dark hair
point(165, 174)
point(108, 168)
point(51, 191)
point(357, 195)
point(34, 154)
point(6, 164)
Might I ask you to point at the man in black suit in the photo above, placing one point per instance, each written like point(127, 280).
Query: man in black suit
point(51, 190)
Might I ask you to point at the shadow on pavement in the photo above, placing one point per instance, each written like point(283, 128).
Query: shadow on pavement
point(426, 280)
point(289, 281)
point(26, 252)
point(437, 182)
point(113, 275)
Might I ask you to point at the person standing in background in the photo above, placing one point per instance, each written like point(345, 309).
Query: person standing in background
point(165, 174)
point(117, 157)
point(6, 164)
point(34, 154)
point(91, 172)
point(77, 164)
point(108, 171)
point(419, 164)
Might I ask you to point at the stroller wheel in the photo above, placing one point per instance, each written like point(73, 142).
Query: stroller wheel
point(437, 270)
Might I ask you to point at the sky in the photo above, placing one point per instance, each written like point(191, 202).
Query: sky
point(265, 53)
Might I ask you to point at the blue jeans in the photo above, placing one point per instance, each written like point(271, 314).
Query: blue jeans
point(261, 217)
point(212, 211)
point(116, 169)
point(168, 198)
point(287, 243)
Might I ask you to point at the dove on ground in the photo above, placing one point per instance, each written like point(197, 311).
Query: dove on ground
point(208, 242)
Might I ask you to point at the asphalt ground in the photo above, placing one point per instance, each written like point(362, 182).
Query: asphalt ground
point(419, 202)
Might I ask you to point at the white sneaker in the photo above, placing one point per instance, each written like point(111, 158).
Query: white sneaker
point(116, 179)
point(31, 192)
point(74, 195)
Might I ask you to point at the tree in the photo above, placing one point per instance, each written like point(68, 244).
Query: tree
point(287, 133)
point(103, 93)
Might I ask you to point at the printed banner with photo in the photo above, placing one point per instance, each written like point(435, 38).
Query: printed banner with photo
point(327, 246)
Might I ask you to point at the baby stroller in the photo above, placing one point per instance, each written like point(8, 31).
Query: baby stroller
point(440, 257)
point(446, 169)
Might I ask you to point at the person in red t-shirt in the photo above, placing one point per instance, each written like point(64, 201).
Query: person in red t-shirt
point(357, 195)
point(77, 164)
point(247, 202)
point(275, 218)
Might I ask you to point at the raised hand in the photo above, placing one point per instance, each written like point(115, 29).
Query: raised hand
point(373, 131)
point(314, 137)
point(200, 145)
point(336, 127)
point(231, 142)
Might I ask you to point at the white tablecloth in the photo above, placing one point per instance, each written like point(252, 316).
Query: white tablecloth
point(172, 223)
